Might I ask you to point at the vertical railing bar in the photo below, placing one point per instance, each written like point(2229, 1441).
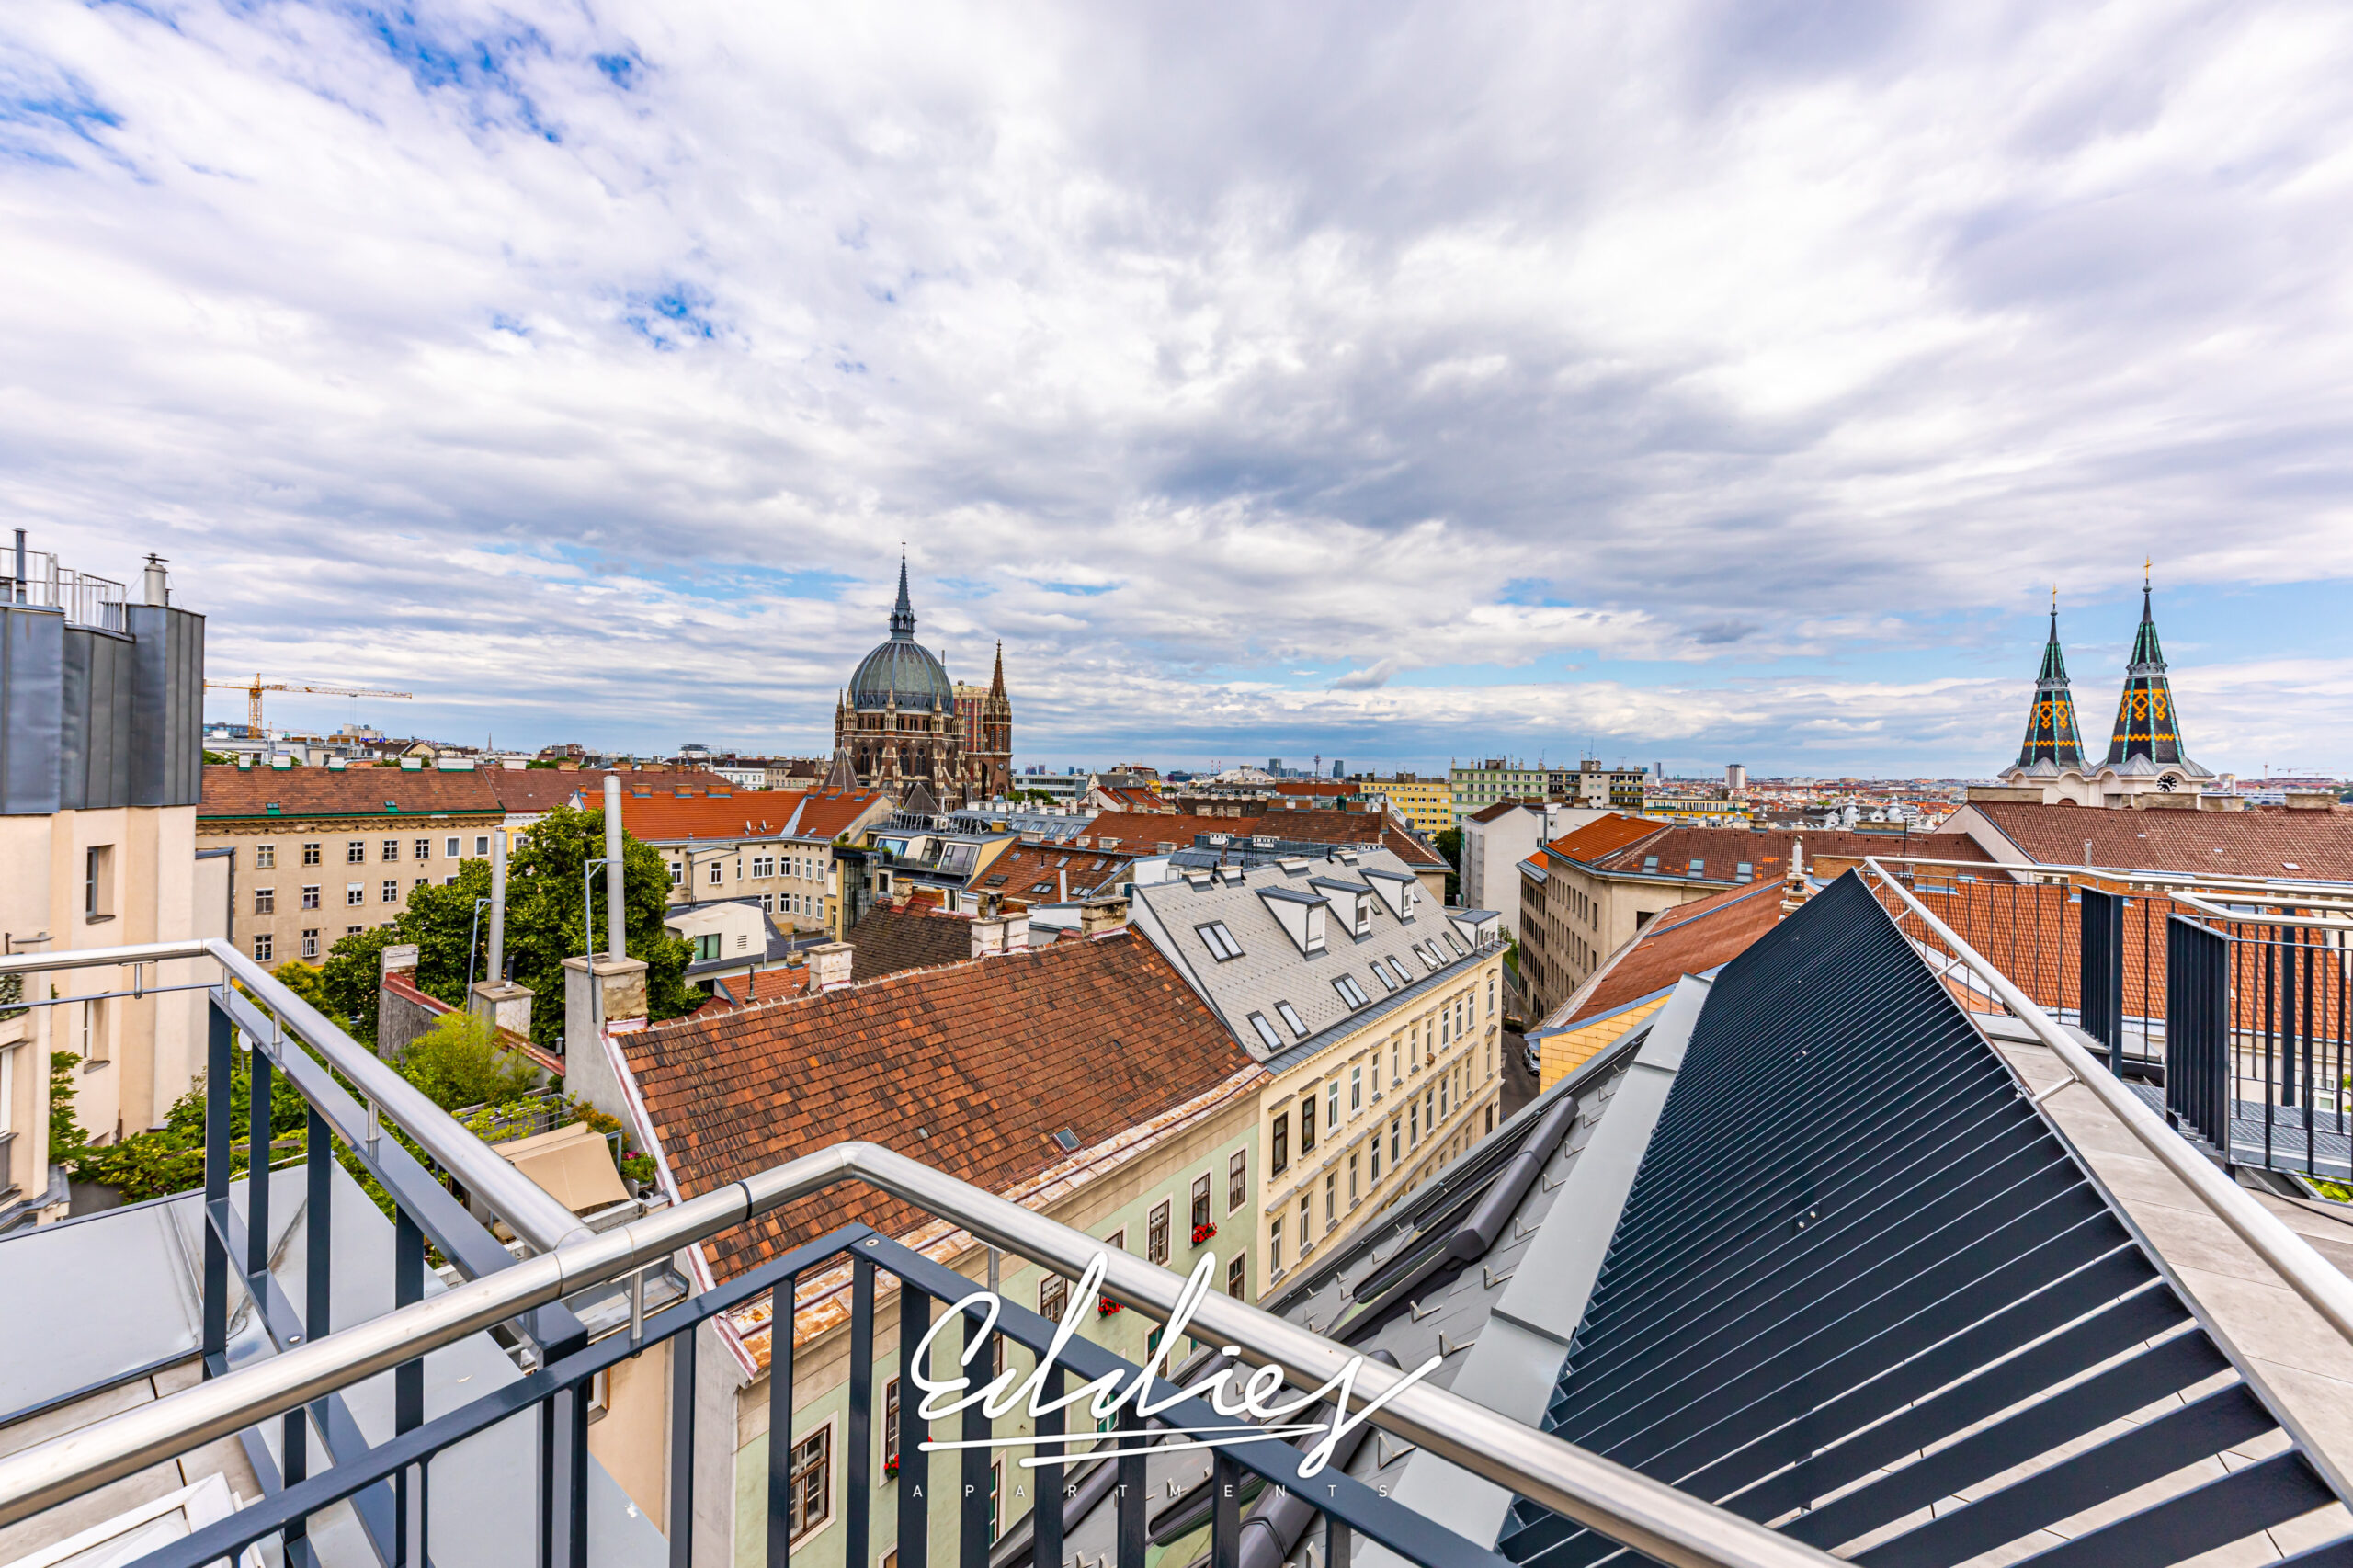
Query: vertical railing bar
point(1046, 1526)
point(575, 1475)
point(2312, 1110)
point(1225, 1511)
point(860, 1425)
point(547, 1482)
point(1337, 1541)
point(973, 1541)
point(408, 1378)
point(914, 1465)
point(1128, 1435)
point(220, 1066)
point(682, 1448)
point(256, 1164)
point(780, 1316)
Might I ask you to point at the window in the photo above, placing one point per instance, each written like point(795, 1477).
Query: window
point(94, 1030)
point(890, 1427)
point(1274, 1244)
point(1350, 991)
point(1217, 939)
point(422, 849)
point(1352, 1181)
point(1238, 1187)
point(1331, 1199)
point(1413, 1123)
point(1237, 1279)
point(811, 1481)
point(1115, 1242)
point(677, 875)
point(265, 856)
point(391, 890)
point(311, 942)
point(97, 882)
point(706, 947)
point(482, 845)
point(1490, 995)
point(1396, 1147)
point(1356, 1090)
point(718, 869)
point(265, 900)
point(1155, 1232)
point(1201, 1199)
point(1306, 1222)
point(310, 854)
point(1054, 1298)
point(1307, 1123)
point(449, 846)
point(311, 897)
point(1279, 1143)
point(1395, 1049)
point(353, 930)
point(391, 850)
point(1380, 974)
point(262, 948)
point(1265, 1031)
point(354, 892)
point(997, 1491)
point(1399, 970)
point(355, 852)
point(1455, 943)
point(1332, 1104)
point(1744, 872)
point(1290, 1017)
point(1699, 867)
point(762, 865)
point(1376, 1156)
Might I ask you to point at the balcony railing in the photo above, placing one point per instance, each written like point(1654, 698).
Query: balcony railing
point(314, 1362)
point(2248, 1043)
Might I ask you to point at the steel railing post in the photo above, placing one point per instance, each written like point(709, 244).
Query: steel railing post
point(1046, 1528)
point(219, 1068)
point(258, 1170)
point(859, 1428)
point(2100, 973)
point(973, 1533)
point(780, 1318)
point(683, 1353)
point(914, 1465)
point(1130, 1436)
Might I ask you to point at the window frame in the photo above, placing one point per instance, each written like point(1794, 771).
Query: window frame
point(1155, 1232)
point(1267, 1034)
point(1200, 1206)
point(823, 1438)
point(1290, 1016)
point(1237, 1180)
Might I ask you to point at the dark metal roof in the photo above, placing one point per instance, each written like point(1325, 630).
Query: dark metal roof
point(1861, 1291)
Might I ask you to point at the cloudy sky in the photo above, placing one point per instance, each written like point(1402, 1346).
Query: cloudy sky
point(1677, 381)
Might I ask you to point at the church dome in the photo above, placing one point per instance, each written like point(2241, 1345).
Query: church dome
point(902, 668)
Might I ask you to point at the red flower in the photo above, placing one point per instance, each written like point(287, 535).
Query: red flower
point(891, 1467)
point(1202, 1232)
point(1104, 1306)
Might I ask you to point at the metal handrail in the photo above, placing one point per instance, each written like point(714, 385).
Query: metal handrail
point(527, 1207)
point(2290, 1255)
point(1622, 1503)
point(2284, 885)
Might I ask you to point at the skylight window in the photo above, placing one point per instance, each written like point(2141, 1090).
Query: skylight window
point(1650, 862)
point(1745, 871)
point(1218, 941)
point(1455, 943)
point(1429, 955)
point(1290, 1016)
point(1404, 976)
point(1699, 866)
point(1041, 887)
point(1265, 1031)
point(1350, 991)
point(1381, 972)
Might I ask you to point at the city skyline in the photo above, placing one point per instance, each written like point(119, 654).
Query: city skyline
point(1699, 386)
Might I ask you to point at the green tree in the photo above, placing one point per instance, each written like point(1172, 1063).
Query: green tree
point(460, 1062)
point(350, 975)
point(545, 924)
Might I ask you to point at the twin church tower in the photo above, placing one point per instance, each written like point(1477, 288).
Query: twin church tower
point(2144, 749)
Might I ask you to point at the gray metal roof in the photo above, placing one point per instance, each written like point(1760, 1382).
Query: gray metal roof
point(1272, 968)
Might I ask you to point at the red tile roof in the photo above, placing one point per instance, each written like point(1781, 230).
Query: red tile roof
point(763, 986)
point(1016, 874)
point(232, 791)
point(890, 937)
point(1622, 844)
point(1504, 808)
point(661, 814)
point(1689, 940)
point(972, 1069)
point(1602, 834)
point(528, 790)
point(2258, 842)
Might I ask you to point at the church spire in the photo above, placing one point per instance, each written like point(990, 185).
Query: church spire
point(2146, 723)
point(902, 614)
point(2050, 735)
point(997, 681)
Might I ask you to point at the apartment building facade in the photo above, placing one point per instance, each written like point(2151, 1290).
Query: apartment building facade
point(779, 852)
point(321, 853)
point(101, 726)
point(1376, 1012)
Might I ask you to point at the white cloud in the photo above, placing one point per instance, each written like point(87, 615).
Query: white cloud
point(526, 356)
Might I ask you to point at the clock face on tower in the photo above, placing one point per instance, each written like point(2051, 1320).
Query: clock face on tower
point(2169, 782)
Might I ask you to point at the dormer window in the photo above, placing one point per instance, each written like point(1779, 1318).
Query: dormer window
point(1290, 1016)
point(1350, 991)
point(1218, 940)
point(1745, 871)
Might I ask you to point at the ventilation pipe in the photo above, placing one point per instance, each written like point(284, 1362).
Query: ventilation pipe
point(158, 589)
point(616, 916)
point(498, 907)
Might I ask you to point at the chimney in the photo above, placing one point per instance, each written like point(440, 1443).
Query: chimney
point(2310, 800)
point(1061, 879)
point(1016, 933)
point(988, 938)
point(829, 966)
point(1794, 890)
point(616, 899)
point(400, 959)
point(158, 590)
point(1097, 915)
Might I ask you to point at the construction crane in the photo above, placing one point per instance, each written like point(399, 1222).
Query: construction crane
point(253, 689)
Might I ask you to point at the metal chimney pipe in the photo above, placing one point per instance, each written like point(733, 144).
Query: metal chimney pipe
point(24, 596)
point(156, 584)
point(498, 907)
point(616, 915)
